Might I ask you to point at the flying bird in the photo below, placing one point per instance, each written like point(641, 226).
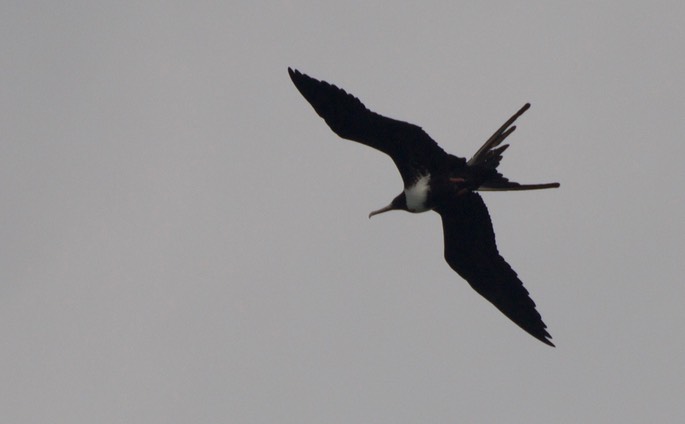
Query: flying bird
point(447, 184)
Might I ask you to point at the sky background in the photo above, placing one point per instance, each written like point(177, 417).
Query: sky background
point(182, 239)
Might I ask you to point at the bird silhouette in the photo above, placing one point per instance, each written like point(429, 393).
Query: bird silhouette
point(447, 184)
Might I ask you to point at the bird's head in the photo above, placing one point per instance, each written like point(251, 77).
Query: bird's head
point(398, 203)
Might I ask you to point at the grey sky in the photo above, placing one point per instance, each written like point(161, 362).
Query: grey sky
point(184, 240)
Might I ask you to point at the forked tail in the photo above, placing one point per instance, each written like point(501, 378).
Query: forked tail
point(490, 156)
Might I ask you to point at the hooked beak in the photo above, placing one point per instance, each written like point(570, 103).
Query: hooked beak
point(385, 209)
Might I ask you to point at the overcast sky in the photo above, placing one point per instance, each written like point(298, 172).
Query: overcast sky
point(184, 240)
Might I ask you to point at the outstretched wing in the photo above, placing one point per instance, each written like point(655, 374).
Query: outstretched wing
point(412, 150)
point(471, 251)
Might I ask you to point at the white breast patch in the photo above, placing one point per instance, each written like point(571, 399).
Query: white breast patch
point(417, 194)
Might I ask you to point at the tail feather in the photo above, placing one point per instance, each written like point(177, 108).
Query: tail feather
point(487, 154)
point(494, 157)
point(506, 185)
point(490, 155)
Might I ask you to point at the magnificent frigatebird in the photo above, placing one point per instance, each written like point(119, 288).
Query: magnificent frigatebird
point(436, 180)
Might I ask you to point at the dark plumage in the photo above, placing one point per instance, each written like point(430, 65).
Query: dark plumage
point(436, 180)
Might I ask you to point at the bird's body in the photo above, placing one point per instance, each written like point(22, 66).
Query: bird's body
point(447, 184)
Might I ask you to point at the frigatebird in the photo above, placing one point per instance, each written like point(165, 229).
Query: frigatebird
point(447, 184)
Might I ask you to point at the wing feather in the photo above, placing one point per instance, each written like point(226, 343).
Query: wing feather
point(412, 150)
point(470, 250)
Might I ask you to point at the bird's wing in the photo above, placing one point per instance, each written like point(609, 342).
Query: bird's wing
point(412, 150)
point(471, 251)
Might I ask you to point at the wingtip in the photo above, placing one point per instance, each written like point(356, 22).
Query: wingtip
point(298, 78)
point(539, 331)
point(295, 73)
point(541, 334)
